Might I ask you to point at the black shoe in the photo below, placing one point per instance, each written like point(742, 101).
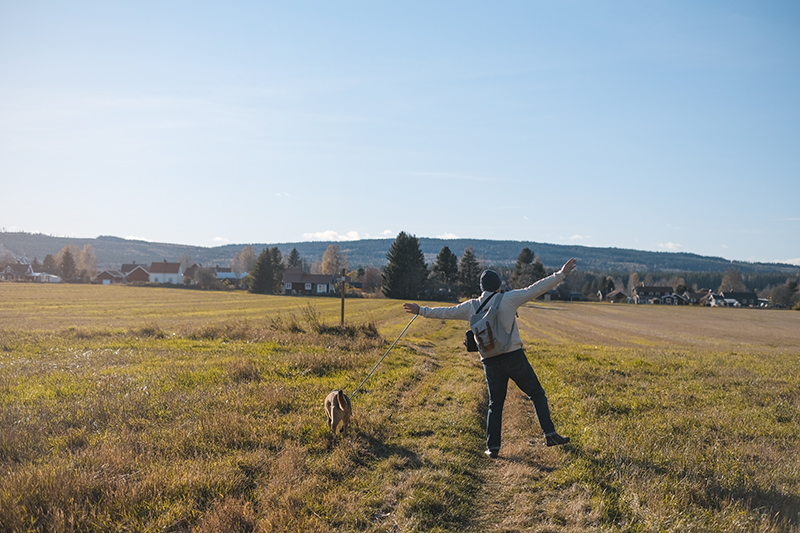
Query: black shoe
point(556, 440)
point(492, 453)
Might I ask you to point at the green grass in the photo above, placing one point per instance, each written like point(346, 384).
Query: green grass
point(137, 409)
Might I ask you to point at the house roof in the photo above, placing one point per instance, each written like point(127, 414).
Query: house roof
point(19, 269)
point(143, 268)
point(165, 268)
point(296, 275)
point(696, 295)
point(740, 295)
point(112, 274)
point(616, 294)
point(127, 267)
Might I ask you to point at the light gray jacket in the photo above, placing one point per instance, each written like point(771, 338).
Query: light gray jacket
point(507, 311)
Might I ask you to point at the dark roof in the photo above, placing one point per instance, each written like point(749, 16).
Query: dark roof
point(19, 269)
point(295, 275)
point(112, 273)
point(740, 295)
point(127, 267)
point(165, 268)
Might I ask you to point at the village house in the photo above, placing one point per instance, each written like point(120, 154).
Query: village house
point(108, 277)
point(696, 298)
point(17, 272)
point(165, 272)
point(549, 296)
point(44, 277)
point(297, 282)
point(645, 295)
point(139, 274)
point(745, 299)
point(224, 273)
point(616, 297)
point(25, 272)
point(670, 299)
point(191, 273)
point(718, 300)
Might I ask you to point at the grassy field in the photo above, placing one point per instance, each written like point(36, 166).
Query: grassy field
point(146, 409)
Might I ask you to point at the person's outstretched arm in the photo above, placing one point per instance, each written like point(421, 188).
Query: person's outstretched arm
point(462, 311)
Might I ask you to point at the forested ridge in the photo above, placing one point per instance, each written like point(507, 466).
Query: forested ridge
point(111, 252)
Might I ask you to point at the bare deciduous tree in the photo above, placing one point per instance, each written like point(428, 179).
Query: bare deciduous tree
point(732, 281)
point(372, 280)
point(244, 261)
point(87, 263)
point(333, 260)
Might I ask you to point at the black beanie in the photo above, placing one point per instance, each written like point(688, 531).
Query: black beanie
point(490, 281)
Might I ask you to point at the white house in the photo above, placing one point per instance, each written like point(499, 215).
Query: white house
point(166, 273)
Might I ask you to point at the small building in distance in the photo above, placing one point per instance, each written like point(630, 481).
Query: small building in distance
point(165, 272)
point(297, 282)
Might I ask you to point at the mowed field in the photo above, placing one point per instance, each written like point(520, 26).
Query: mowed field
point(148, 409)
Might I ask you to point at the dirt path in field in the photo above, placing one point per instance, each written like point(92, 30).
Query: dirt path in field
point(520, 491)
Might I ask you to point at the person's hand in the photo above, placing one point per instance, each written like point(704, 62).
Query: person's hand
point(569, 266)
point(411, 308)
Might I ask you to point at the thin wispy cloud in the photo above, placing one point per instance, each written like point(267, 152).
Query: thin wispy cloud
point(330, 235)
point(447, 236)
point(670, 245)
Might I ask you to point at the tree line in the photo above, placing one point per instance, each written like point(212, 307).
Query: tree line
point(407, 276)
point(71, 263)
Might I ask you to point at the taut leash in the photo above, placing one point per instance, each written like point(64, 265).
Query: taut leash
point(384, 356)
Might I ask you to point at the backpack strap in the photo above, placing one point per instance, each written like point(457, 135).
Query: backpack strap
point(484, 303)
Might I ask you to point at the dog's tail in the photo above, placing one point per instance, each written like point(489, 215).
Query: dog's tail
point(341, 399)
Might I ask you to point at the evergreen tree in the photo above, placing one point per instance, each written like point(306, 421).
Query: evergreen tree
point(443, 280)
point(527, 271)
point(277, 270)
point(67, 265)
point(446, 267)
point(267, 274)
point(607, 285)
point(469, 275)
point(294, 260)
point(406, 272)
point(49, 264)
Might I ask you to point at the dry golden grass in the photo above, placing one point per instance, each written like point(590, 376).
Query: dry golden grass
point(669, 327)
point(146, 409)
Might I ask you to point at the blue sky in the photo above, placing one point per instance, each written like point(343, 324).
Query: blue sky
point(670, 126)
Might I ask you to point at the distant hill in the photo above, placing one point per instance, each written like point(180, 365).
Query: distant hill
point(111, 252)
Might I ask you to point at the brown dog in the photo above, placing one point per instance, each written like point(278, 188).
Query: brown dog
point(337, 407)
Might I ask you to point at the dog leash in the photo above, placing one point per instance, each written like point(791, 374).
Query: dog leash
point(384, 356)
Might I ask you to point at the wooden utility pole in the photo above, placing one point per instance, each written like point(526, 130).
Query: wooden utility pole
point(343, 278)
